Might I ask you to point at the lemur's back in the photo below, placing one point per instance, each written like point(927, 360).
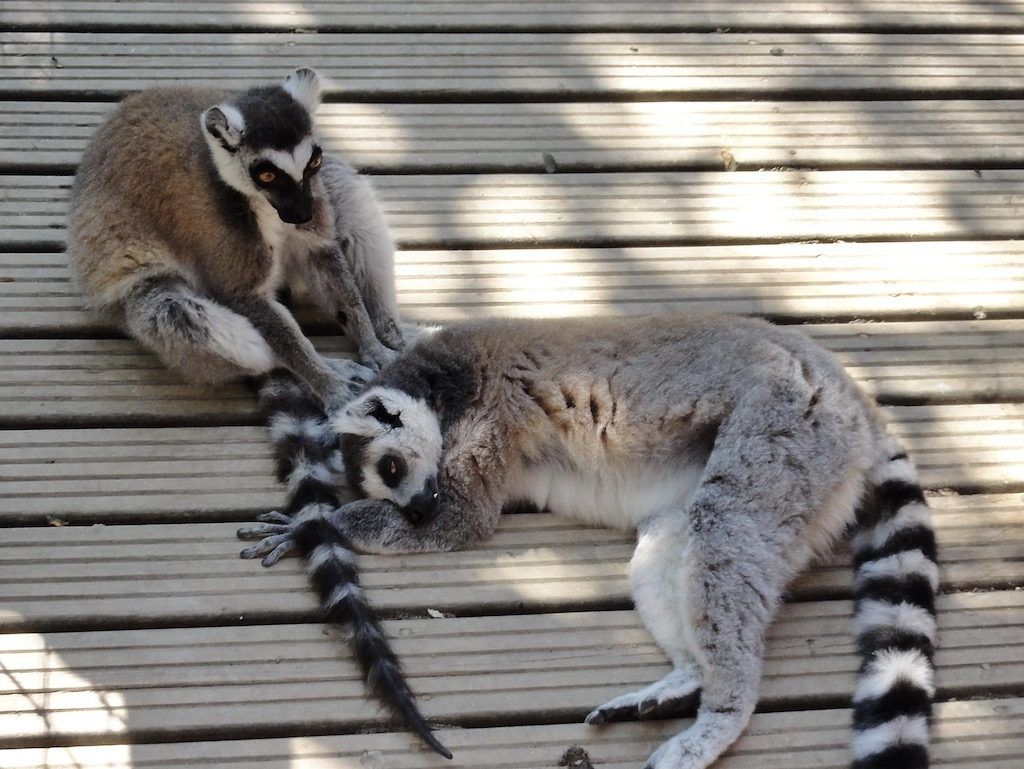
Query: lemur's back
point(142, 199)
point(701, 363)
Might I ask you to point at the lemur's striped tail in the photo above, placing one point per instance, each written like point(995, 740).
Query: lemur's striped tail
point(895, 582)
point(309, 461)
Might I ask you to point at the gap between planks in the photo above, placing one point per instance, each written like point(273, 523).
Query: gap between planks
point(148, 575)
point(792, 281)
point(480, 15)
point(168, 683)
point(466, 210)
point(102, 382)
point(534, 137)
point(980, 734)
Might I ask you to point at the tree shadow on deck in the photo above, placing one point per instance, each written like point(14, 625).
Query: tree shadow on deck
point(100, 689)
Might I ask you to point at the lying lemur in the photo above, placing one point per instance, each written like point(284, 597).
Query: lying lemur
point(192, 209)
point(738, 451)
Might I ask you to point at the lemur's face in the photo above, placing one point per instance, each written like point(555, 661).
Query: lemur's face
point(263, 144)
point(391, 446)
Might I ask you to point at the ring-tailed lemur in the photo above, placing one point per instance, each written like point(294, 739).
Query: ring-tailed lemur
point(309, 462)
point(735, 449)
point(192, 209)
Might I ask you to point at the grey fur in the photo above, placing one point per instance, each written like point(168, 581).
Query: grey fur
point(174, 237)
point(737, 450)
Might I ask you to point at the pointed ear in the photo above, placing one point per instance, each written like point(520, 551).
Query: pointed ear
point(304, 86)
point(225, 124)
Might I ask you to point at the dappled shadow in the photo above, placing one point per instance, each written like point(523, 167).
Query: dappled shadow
point(636, 180)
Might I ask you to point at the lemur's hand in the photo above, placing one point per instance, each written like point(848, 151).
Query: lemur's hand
point(275, 536)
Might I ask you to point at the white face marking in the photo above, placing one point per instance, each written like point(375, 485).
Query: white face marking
point(292, 162)
point(417, 441)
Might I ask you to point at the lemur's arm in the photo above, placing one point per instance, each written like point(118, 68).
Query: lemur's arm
point(291, 347)
point(333, 287)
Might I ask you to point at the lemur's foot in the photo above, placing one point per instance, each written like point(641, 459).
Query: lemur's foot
point(390, 334)
point(354, 373)
point(672, 692)
point(377, 356)
point(274, 533)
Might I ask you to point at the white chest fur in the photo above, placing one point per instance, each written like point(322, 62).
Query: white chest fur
point(614, 497)
point(274, 233)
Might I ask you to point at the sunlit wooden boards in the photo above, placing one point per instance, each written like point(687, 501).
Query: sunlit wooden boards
point(226, 472)
point(790, 281)
point(637, 208)
point(459, 65)
point(528, 14)
point(170, 682)
point(73, 576)
point(607, 135)
point(95, 381)
point(977, 734)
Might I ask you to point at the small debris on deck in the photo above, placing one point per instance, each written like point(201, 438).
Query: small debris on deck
point(576, 757)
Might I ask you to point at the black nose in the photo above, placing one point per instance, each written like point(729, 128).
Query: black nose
point(299, 213)
point(422, 508)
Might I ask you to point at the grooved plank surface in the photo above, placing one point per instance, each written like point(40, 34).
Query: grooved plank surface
point(978, 734)
point(147, 683)
point(99, 474)
point(542, 158)
point(581, 135)
point(67, 576)
point(793, 280)
point(531, 14)
point(464, 64)
point(426, 210)
point(84, 380)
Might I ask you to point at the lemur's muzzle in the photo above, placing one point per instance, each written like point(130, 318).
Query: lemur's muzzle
point(422, 508)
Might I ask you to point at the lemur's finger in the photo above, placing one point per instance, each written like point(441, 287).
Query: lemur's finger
point(278, 552)
point(261, 530)
point(274, 516)
point(265, 546)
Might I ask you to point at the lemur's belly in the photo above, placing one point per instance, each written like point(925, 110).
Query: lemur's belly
point(618, 498)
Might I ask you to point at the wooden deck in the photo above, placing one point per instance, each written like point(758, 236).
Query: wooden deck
point(856, 166)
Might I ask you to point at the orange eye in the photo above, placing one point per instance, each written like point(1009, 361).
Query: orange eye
point(316, 161)
point(267, 177)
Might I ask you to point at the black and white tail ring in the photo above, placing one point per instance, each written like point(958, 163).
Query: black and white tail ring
point(895, 582)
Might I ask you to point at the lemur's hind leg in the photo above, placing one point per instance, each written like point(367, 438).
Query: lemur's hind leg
point(203, 340)
point(779, 462)
point(657, 581)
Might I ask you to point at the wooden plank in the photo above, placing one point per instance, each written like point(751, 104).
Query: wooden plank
point(147, 684)
point(88, 381)
point(464, 64)
point(78, 576)
point(91, 475)
point(980, 734)
point(792, 280)
point(82, 381)
point(600, 136)
point(494, 209)
point(497, 14)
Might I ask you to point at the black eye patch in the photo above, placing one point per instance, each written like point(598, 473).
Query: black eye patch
point(266, 174)
point(382, 415)
point(391, 468)
point(315, 161)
